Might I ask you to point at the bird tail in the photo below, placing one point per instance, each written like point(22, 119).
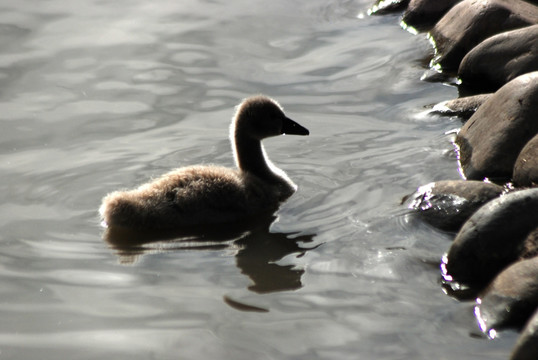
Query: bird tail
point(119, 209)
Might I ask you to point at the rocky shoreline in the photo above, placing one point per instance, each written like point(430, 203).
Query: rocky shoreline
point(491, 46)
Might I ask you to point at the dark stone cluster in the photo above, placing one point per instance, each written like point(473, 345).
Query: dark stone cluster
point(491, 47)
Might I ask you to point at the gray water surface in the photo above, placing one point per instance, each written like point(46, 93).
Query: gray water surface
point(97, 96)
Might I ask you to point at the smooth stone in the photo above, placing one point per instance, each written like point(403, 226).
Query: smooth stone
point(499, 59)
point(490, 142)
point(382, 7)
point(472, 21)
point(447, 204)
point(530, 245)
point(433, 75)
point(511, 298)
point(423, 14)
point(526, 347)
point(463, 107)
point(526, 166)
point(492, 238)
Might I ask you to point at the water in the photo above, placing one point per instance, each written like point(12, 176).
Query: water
point(97, 96)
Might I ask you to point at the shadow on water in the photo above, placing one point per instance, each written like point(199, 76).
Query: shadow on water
point(258, 249)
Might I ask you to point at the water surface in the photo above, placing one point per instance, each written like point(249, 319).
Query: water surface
point(96, 96)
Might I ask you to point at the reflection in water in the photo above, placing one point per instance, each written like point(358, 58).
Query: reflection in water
point(259, 250)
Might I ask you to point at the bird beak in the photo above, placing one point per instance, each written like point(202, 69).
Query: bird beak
point(290, 127)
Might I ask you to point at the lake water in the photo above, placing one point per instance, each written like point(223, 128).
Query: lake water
point(98, 95)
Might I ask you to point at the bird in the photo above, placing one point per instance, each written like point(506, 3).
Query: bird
point(201, 195)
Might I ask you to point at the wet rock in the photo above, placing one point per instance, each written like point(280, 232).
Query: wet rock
point(510, 299)
point(530, 246)
point(463, 107)
point(490, 142)
point(492, 238)
point(448, 204)
point(423, 14)
point(499, 59)
point(472, 21)
point(526, 166)
point(382, 7)
point(527, 345)
point(433, 75)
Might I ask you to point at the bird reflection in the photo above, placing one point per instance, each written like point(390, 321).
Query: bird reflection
point(258, 249)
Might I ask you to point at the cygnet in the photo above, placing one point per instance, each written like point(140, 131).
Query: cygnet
point(208, 194)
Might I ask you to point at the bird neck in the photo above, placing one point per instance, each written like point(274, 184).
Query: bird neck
point(250, 157)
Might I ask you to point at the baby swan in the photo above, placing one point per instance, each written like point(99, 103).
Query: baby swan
point(200, 195)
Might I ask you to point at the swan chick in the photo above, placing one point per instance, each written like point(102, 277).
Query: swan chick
point(209, 194)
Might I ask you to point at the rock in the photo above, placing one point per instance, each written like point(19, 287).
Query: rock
point(492, 238)
point(510, 299)
point(433, 75)
point(471, 21)
point(499, 59)
point(448, 204)
point(530, 245)
point(527, 345)
point(526, 166)
point(423, 14)
point(490, 142)
point(463, 107)
point(382, 7)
